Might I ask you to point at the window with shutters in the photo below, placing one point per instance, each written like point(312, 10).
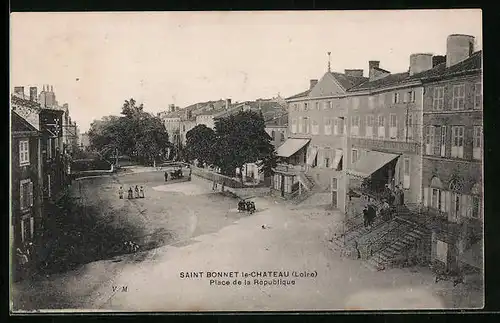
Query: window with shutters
point(409, 126)
point(458, 97)
point(406, 172)
point(317, 105)
point(355, 102)
point(478, 95)
point(371, 102)
point(24, 153)
point(393, 126)
point(327, 105)
point(395, 98)
point(476, 201)
point(294, 125)
point(306, 124)
point(438, 98)
point(381, 100)
point(305, 106)
point(300, 125)
point(355, 125)
point(443, 141)
point(381, 126)
point(315, 127)
point(341, 126)
point(369, 126)
point(25, 194)
point(436, 198)
point(429, 140)
point(477, 143)
point(457, 141)
point(328, 126)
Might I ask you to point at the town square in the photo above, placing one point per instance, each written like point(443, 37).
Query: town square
point(181, 173)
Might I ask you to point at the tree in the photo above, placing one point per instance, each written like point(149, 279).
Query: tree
point(200, 144)
point(242, 139)
point(137, 134)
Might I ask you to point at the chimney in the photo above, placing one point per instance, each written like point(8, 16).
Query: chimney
point(171, 108)
point(19, 90)
point(438, 59)
point(458, 48)
point(177, 108)
point(51, 88)
point(354, 72)
point(420, 62)
point(312, 83)
point(228, 103)
point(371, 66)
point(33, 93)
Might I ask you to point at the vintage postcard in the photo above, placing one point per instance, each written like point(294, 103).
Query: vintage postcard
point(246, 161)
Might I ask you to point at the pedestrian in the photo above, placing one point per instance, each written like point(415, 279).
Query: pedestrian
point(141, 191)
point(130, 193)
point(120, 193)
point(136, 191)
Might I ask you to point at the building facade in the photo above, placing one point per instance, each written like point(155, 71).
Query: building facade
point(312, 154)
point(452, 179)
point(26, 186)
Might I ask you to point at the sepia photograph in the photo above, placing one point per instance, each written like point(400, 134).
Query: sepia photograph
point(246, 161)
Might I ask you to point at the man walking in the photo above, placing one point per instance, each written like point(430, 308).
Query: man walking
point(120, 193)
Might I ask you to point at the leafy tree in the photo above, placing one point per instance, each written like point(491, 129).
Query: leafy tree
point(137, 134)
point(242, 139)
point(200, 144)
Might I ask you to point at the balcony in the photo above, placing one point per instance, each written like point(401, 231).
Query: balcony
point(290, 169)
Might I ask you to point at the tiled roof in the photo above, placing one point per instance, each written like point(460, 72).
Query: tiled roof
point(473, 63)
point(17, 100)
point(299, 95)
point(348, 82)
point(385, 81)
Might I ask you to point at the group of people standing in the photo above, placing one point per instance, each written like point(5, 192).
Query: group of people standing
point(390, 199)
point(132, 193)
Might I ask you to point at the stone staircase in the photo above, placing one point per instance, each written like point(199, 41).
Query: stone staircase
point(409, 236)
point(306, 181)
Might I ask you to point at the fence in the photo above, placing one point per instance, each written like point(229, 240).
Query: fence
point(218, 178)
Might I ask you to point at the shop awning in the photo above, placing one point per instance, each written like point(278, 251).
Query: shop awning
point(338, 157)
point(291, 146)
point(312, 155)
point(474, 255)
point(370, 163)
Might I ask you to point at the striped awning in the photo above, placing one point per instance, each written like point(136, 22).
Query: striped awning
point(370, 163)
point(291, 146)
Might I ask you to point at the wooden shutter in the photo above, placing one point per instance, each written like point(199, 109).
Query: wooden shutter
point(443, 201)
point(437, 141)
point(30, 200)
point(426, 196)
point(21, 195)
point(465, 202)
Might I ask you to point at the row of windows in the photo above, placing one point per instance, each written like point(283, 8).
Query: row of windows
point(435, 140)
point(318, 105)
point(458, 97)
point(381, 99)
point(452, 201)
point(376, 127)
point(274, 137)
point(305, 125)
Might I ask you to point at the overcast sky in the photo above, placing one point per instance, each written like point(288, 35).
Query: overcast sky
point(97, 60)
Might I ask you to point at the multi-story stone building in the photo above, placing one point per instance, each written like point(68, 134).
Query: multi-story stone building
point(26, 186)
point(452, 177)
point(384, 132)
point(313, 152)
point(40, 168)
point(422, 129)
